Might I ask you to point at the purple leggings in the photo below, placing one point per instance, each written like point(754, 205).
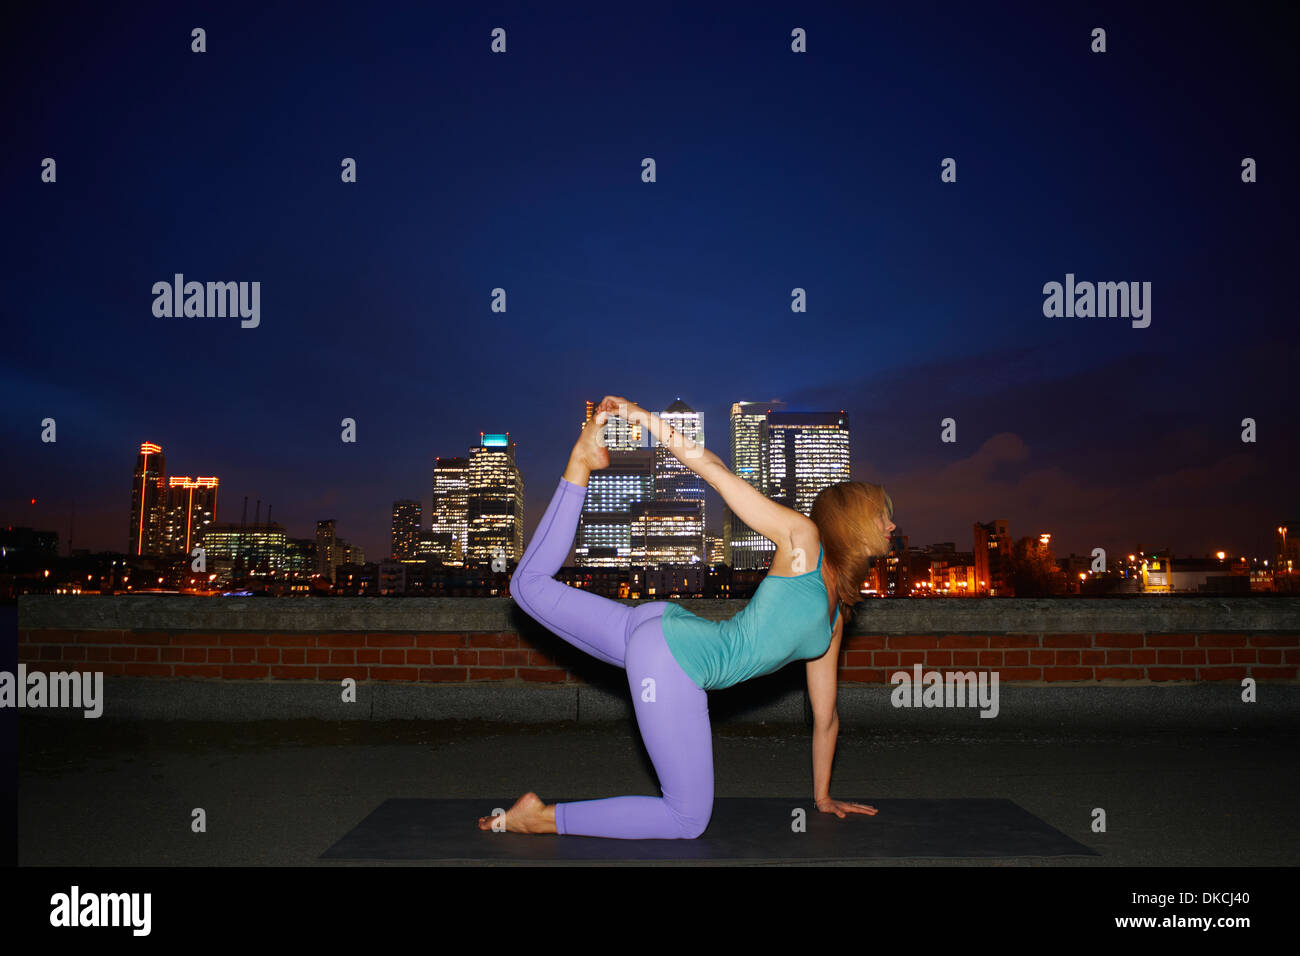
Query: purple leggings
point(671, 709)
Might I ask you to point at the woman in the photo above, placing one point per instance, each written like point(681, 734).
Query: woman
point(673, 657)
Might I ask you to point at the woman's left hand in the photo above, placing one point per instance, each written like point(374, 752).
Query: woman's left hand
point(842, 808)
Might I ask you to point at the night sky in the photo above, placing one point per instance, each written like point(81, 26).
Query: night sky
point(775, 171)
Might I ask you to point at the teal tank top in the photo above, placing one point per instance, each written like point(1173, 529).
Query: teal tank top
point(784, 621)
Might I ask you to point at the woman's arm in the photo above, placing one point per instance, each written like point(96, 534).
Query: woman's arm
point(823, 685)
point(769, 518)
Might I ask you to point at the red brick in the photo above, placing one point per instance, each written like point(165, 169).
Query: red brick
point(914, 641)
point(79, 653)
point(1076, 641)
point(221, 655)
point(1171, 640)
point(243, 640)
point(1221, 640)
point(500, 639)
point(442, 673)
point(293, 655)
point(884, 658)
point(1220, 673)
point(373, 655)
point(487, 658)
point(1119, 673)
point(1269, 655)
point(291, 640)
point(110, 668)
point(244, 671)
point(343, 656)
point(1069, 658)
point(552, 674)
point(1273, 673)
point(1013, 640)
point(1093, 658)
point(1119, 640)
point(1067, 673)
point(268, 655)
point(395, 673)
point(857, 659)
point(1274, 640)
point(1017, 658)
point(196, 655)
point(1244, 655)
point(390, 640)
point(990, 658)
point(863, 642)
point(1193, 657)
point(147, 670)
point(1289, 657)
point(392, 656)
point(491, 673)
point(959, 640)
point(243, 655)
point(317, 655)
point(418, 657)
point(440, 640)
point(1169, 657)
point(965, 658)
point(537, 659)
point(127, 653)
point(164, 653)
point(863, 675)
point(352, 640)
point(943, 658)
point(908, 658)
point(197, 670)
point(53, 652)
point(1218, 656)
point(1042, 657)
point(143, 653)
point(1171, 673)
point(287, 672)
point(447, 657)
point(508, 658)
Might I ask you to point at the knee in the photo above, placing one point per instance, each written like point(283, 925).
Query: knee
point(692, 825)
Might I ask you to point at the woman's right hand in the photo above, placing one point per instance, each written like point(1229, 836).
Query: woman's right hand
point(623, 408)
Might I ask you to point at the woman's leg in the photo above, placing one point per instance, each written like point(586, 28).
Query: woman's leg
point(591, 623)
point(673, 715)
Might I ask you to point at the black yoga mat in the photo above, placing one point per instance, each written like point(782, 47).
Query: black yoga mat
point(740, 829)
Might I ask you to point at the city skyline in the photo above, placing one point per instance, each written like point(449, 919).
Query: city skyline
point(925, 298)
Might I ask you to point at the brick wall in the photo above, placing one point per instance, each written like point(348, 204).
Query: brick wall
point(471, 656)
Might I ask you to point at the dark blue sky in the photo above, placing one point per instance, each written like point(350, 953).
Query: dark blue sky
point(775, 170)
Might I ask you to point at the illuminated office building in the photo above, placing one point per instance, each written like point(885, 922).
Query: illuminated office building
point(449, 514)
point(605, 526)
point(257, 549)
point(191, 507)
point(495, 500)
point(806, 452)
point(666, 533)
point(148, 501)
point(674, 479)
point(406, 529)
point(993, 557)
point(743, 547)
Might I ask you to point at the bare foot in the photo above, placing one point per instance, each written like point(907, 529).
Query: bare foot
point(590, 451)
point(528, 815)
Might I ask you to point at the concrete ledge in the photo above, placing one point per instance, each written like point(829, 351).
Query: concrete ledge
point(1186, 706)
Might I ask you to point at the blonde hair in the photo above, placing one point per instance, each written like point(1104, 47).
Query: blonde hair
point(846, 517)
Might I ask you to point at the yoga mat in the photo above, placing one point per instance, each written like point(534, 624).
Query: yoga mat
point(740, 829)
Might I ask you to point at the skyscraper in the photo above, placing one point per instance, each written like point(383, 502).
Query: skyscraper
point(448, 514)
point(743, 547)
point(605, 526)
point(406, 528)
point(148, 501)
point(191, 507)
point(495, 507)
point(327, 556)
point(675, 481)
point(806, 452)
point(620, 434)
